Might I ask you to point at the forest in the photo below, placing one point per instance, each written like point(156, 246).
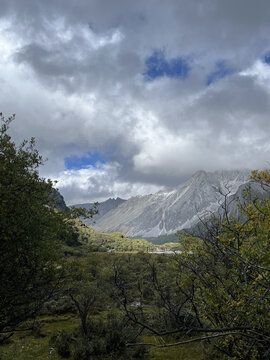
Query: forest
point(67, 291)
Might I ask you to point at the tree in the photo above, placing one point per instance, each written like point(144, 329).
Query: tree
point(218, 289)
point(31, 231)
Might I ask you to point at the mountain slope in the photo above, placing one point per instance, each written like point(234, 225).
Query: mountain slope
point(248, 192)
point(103, 208)
point(85, 239)
point(170, 210)
point(57, 201)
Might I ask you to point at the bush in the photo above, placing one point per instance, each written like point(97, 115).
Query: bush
point(61, 341)
point(36, 330)
point(106, 338)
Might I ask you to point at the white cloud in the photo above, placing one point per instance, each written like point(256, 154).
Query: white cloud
point(98, 184)
point(260, 71)
point(73, 74)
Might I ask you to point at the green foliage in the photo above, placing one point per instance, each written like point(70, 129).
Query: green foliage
point(105, 336)
point(230, 272)
point(77, 212)
point(61, 341)
point(216, 288)
point(102, 242)
point(171, 246)
point(106, 339)
point(162, 239)
point(27, 346)
point(30, 233)
point(193, 351)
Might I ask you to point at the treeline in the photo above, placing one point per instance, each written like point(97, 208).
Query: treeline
point(162, 239)
point(85, 239)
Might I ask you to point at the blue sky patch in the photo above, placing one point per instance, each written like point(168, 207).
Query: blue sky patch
point(221, 71)
point(266, 58)
point(76, 162)
point(158, 66)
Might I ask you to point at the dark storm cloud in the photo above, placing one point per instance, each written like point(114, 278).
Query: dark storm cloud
point(74, 72)
point(181, 26)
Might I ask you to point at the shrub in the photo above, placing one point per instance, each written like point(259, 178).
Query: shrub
point(61, 341)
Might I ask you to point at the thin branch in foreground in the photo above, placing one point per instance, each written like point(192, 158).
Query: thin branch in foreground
point(155, 346)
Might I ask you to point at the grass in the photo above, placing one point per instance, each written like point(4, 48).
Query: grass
point(192, 351)
point(26, 346)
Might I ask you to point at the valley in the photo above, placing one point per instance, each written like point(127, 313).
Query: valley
point(197, 290)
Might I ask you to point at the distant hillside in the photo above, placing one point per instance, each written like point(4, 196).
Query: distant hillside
point(174, 209)
point(103, 208)
point(85, 239)
point(163, 239)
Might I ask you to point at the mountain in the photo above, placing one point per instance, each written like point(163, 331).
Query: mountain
point(173, 209)
point(103, 208)
point(57, 201)
point(250, 190)
point(247, 192)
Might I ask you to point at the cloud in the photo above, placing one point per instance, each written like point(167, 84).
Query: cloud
point(75, 75)
point(221, 71)
point(98, 183)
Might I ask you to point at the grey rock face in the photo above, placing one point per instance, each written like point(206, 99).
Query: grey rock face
point(246, 193)
point(103, 208)
point(57, 201)
point(174, 209)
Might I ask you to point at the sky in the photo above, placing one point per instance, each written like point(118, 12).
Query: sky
point(127, 97)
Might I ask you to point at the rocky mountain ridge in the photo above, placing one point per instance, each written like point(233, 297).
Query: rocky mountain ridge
point(103, 208)
point(246, 193)
point(173, 209)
